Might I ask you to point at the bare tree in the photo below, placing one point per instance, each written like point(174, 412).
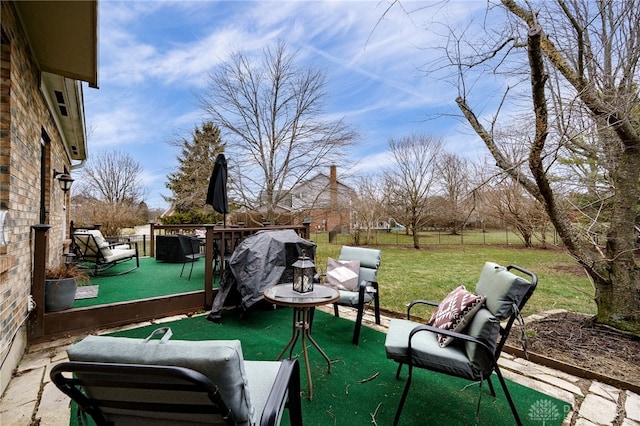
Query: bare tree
point(113, 177)
point(368, 209)
point(580, 58)
point(411, 180)
point(508, 202)
point(454, 179)
point(110, 192)
point(271, 110)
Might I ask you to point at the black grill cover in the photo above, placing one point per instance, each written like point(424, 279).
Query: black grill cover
point(261, 260)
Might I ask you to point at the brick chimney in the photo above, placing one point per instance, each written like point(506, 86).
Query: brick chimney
point(333, 188)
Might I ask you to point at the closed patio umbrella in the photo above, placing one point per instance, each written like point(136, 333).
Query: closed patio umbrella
point(217, 192)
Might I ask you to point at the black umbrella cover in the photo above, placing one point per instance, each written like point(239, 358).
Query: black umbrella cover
point(217, 192)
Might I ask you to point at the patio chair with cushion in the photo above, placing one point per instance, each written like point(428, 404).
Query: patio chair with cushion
point(95, 253)
point(465, 335)
point(127, 381)
point(355, 276)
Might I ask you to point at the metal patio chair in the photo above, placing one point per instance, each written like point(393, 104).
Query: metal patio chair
point(474, 351)
point(190, 250)
point(129, 381)
point(96, 254)
point(366, 288)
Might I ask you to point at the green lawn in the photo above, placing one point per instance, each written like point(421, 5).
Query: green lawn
point(432, 272)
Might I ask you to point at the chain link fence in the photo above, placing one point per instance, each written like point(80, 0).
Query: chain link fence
point(438, 237)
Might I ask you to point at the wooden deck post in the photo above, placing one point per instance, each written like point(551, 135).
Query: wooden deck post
point(152, 239)
point(37, 285)
point(208, 267)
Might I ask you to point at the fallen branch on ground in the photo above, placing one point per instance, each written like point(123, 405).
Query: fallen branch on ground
point(373, 415)
point(369, 379)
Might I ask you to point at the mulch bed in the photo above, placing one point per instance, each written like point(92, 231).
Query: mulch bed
point(575, 339)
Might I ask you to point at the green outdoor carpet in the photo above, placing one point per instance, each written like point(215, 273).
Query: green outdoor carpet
point(151, 279)
point(362, 388)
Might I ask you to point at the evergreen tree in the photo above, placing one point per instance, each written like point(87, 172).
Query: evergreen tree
point(189, 183)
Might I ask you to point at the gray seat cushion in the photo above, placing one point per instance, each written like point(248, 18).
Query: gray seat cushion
point(350, 298)
point(261, 376)
point(486, 328)
point(463, 360)
point(426, 351)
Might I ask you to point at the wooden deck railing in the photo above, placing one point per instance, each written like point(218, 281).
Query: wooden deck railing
point(52, 325)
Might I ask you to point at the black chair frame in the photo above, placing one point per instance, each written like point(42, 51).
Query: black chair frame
point(74, 377)
point(191, 249)
point(223, 249)
point(92, 259)
point(494, 355)
point(362, 290)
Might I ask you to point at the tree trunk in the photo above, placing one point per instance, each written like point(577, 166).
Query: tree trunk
point(618, 298)
point(416, 237)
point(615, 274)
point(615, 277)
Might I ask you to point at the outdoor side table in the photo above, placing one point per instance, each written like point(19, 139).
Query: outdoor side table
point(302, 304)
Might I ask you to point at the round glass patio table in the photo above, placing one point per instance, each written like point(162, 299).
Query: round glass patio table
point(303, 305)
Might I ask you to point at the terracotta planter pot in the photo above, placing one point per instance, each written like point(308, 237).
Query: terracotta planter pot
point(59, 294)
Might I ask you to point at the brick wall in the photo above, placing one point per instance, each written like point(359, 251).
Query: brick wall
point(24, 117)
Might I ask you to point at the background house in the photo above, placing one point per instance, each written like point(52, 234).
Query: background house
point(47, 49)
point(325, 201)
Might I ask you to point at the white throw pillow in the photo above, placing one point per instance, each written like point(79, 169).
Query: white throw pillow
point(343, 274)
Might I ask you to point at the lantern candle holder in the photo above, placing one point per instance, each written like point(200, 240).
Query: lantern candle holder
point(303, 271)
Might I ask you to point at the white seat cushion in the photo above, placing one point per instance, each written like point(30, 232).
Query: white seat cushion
point(119, 254)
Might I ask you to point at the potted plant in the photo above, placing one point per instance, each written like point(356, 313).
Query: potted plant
point(60, 286)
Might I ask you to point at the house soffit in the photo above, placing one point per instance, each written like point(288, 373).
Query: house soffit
point(65, 101)
point(63, 38)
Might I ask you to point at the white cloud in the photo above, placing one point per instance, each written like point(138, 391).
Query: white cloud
point(118, 126)
point(371, 164)
point(156, 55)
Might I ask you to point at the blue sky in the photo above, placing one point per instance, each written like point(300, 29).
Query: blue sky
point(155, 56)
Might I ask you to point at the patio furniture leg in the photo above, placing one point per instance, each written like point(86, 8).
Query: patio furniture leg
point(302, 328)
point(295, 332)
point(305, 353)
point(324, 355)
point(403, 398)
point(516, 416)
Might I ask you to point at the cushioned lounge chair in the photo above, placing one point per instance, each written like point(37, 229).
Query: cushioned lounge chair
point(97, 254)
